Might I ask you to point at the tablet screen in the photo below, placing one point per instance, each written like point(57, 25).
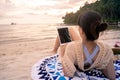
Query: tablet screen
point(64, 35)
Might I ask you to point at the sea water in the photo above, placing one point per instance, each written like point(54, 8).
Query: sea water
point(24, 33)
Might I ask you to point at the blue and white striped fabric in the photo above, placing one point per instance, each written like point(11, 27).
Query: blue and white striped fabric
point(51, 69)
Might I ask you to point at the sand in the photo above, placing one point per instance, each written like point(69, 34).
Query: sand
point(17, 59)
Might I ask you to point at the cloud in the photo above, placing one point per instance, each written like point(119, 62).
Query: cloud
point(74, 1)
point(7, 1)
point(33, 8)
point(62, 5)
point(39, 6)
point(6, 7)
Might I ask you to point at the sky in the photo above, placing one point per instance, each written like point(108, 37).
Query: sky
point(37, 11)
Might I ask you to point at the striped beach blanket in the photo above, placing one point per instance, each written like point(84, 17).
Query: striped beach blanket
point(50, 68)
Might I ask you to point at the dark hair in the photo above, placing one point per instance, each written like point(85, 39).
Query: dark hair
point(90, 22)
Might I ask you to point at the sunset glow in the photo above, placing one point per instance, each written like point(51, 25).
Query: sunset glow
point(35, 11)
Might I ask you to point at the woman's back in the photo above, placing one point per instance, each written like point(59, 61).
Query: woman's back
point(74, 54)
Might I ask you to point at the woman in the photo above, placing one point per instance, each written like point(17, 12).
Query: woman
point(88, 53)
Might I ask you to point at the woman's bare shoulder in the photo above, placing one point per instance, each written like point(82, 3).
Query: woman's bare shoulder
point(74, 32)
point(73, 28)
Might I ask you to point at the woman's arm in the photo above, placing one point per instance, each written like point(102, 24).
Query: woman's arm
point(68, 59)
point(56, 45)
point(109, 71)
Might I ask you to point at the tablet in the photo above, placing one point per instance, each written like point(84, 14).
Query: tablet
point(64, 35)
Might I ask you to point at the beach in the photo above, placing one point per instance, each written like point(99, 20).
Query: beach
point(22, 56)
point(21, 46)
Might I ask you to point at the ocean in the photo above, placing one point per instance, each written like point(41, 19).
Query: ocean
point(24, 33)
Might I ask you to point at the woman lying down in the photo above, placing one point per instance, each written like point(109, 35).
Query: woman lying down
point(88, 53)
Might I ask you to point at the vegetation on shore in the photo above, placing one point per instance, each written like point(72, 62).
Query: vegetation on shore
point(109, 9)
